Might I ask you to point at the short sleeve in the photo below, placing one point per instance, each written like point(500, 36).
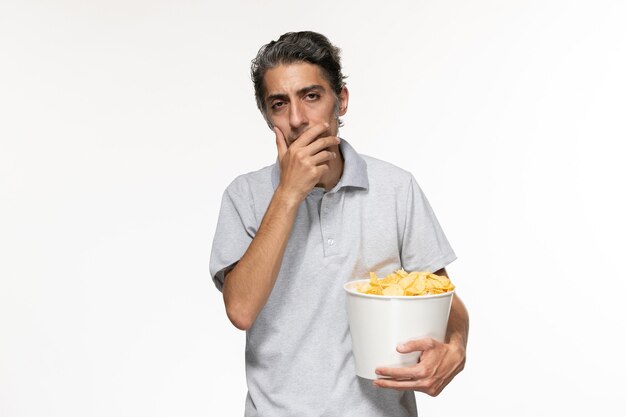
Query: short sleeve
point(236, 227)
point(424, 245)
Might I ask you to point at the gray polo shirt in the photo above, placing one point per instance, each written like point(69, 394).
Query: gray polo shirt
point(298, 351)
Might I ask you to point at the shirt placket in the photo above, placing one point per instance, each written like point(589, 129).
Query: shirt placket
point(328, 222)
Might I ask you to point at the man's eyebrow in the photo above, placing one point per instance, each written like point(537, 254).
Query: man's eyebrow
point(302, 91)
point(311, 88)
point(278, 96)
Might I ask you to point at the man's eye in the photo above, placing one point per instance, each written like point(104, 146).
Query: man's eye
point(312, 96)
point(278, 105)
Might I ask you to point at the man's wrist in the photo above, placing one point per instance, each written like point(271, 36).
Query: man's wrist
point(287, 200)
point(458, 341)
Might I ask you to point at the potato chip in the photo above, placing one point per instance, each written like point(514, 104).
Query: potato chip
point(373, 279)
point(393, 289)
point(407, 281)
point(402, 273)
point(403, 283)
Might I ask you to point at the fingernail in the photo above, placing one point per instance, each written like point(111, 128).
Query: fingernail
point(326, 124)
point(334, 155)
point(377, 372)
point(401, 346)
point(338, 139)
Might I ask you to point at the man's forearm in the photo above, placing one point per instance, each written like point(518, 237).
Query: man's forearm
point(248, 286)
point(458, 323)
point(458, 320)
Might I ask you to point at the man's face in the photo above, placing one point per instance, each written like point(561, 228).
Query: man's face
point(299, 97)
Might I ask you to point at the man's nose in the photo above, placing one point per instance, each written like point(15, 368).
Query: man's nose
point(297, 115)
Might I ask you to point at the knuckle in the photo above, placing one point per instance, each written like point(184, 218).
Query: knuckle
point(430, 343)
point(429, 388)
point(426, 371)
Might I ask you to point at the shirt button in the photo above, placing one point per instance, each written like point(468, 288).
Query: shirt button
point(331, 242)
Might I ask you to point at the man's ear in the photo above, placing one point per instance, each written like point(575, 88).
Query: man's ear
point(344, 95)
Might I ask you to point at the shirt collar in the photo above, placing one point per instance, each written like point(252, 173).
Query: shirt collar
point(354, 169)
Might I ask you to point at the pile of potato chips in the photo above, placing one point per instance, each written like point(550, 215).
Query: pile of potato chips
point(406, 283)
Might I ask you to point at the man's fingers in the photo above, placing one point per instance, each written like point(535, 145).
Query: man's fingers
point(321, 170)
point(418, 345)
point(399, 373)
point(281, 143)
point(321, 144)
point(426, 386)
point(398, 385)
point(321, 157)
point(310, 135)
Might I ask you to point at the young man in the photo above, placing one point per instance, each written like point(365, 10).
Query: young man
point(291, 234)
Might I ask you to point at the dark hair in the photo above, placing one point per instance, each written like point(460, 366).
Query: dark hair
point(291, 47)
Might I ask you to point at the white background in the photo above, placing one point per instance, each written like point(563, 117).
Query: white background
point(121, 122)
